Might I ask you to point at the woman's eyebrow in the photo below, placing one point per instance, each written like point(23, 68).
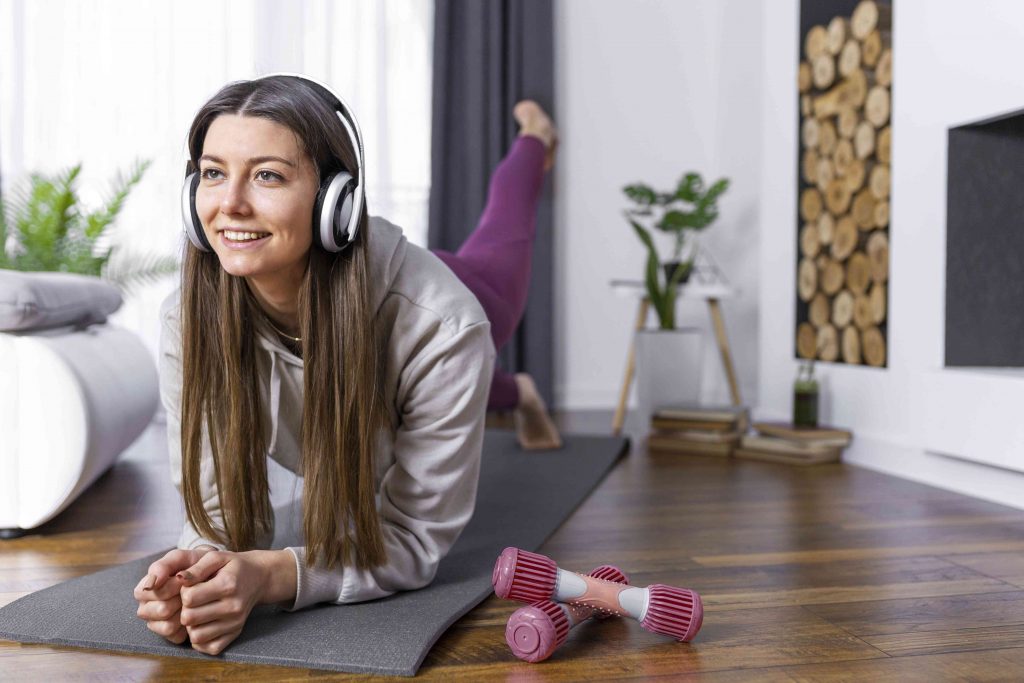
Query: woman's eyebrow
point(254, 160)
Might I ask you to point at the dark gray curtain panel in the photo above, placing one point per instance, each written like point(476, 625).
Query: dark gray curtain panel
point(488, 55)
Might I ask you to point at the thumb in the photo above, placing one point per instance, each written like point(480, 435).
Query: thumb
point(208, 565)
point(163, 569)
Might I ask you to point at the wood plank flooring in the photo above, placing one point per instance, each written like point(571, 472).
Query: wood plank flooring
point(827, 573)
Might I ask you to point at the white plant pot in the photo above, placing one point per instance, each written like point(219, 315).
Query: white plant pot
point(668, 369)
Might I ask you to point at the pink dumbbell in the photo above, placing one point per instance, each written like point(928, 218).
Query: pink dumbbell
point(530, 577)
point(536, 631)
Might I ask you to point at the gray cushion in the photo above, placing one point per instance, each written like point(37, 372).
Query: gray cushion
point(34, 301)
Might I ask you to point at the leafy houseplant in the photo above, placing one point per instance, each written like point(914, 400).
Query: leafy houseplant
point(43, 228)
point(689, 207)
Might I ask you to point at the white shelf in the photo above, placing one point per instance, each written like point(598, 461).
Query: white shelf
point(689, 290)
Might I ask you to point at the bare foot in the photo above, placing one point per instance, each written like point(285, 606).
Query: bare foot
point(535, 121)
point(534, 427)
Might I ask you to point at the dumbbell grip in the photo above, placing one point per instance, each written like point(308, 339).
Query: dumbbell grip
point(599, 596)
point(603, 597)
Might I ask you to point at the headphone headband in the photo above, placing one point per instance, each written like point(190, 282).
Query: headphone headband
point(348, 119)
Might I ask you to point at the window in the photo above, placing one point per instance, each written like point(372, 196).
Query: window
point(106, 82)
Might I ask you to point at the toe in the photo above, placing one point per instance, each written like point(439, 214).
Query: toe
point(533, 120)
point(525, 109)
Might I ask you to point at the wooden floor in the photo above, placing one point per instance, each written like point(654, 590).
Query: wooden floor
point(824, 573)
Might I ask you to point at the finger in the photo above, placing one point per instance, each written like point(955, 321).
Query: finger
point(142, 592)
point(145, 589)
point(167, 629)
point(138, 593)
point(223, 586)
point(179, 636)
point(220, 644)
point(212, 611)
point(207, 565)
point(166, 567)
point(205, 633)
point(213, 638)
point(170, 590)
point(159, 610)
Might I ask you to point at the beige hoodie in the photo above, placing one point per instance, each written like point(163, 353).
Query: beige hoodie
point(438, 371)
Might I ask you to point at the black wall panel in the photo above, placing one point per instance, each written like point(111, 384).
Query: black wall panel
point(985, 244)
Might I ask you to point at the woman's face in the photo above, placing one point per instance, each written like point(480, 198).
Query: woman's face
point(255, 178)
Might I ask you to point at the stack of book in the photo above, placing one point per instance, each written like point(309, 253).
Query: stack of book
point(783, 442)
point(698, 430)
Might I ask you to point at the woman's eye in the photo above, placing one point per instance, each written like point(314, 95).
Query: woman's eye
point(207, 173)
point(268, 175)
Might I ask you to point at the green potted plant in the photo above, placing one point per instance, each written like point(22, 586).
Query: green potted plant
point(669, 360)
point(44, 228)
point(690, 207)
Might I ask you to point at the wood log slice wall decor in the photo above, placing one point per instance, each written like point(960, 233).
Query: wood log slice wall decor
point(844, 182)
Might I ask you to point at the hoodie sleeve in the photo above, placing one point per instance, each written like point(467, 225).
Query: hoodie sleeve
point(170, 397)
point(428, 495)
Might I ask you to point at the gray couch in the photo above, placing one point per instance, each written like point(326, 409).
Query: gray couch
point(75, 392)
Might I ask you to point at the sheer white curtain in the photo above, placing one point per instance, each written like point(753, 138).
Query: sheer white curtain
point(104, 82)
point(377, 55)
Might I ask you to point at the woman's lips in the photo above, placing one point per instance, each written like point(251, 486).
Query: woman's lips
point(241, 246)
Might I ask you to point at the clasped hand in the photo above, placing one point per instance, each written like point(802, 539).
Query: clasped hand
point(203, 594)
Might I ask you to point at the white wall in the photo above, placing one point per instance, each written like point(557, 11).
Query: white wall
point(958, 429)
point(645, 91)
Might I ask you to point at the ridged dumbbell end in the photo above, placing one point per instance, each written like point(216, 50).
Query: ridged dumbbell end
point(607, 572)
point(674, 612)
point(524, 576)
point(534, 632)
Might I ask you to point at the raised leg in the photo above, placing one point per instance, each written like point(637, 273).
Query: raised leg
point(495, 261)
point(495, 264)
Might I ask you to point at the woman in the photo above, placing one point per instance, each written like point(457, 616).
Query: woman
point(345, 344)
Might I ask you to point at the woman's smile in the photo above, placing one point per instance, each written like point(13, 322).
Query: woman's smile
point(243, 239)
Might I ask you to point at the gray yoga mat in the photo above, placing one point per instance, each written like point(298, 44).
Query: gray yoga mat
point(522, 499)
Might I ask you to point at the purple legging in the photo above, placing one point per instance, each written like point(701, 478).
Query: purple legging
point(494, 262)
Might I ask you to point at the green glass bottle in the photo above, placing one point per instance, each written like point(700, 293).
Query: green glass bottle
point(805, 397)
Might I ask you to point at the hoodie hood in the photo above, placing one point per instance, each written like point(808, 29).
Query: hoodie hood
point(387, 253)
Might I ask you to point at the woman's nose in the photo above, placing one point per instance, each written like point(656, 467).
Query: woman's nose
point(234, 199)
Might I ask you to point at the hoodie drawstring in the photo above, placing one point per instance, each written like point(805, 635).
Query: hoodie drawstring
point(275, 399)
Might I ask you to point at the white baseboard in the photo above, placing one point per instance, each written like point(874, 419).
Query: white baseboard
point(913, 462)
point(916, 464)
point(595, 397)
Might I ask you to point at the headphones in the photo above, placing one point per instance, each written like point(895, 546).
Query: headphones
point(339, 201)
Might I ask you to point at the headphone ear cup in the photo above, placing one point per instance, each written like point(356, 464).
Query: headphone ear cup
point(193, 227)
point(332, 212)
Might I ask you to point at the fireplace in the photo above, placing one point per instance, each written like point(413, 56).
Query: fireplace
point(985, 244)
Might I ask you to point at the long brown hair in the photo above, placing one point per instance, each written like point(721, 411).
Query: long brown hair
point(343, 394)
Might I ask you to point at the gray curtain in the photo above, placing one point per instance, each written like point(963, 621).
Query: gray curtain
point(488, 55)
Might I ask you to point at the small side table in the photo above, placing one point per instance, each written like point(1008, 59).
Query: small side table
point(712, 293)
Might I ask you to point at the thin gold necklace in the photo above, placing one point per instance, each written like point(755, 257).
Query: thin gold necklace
point(287, 336)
